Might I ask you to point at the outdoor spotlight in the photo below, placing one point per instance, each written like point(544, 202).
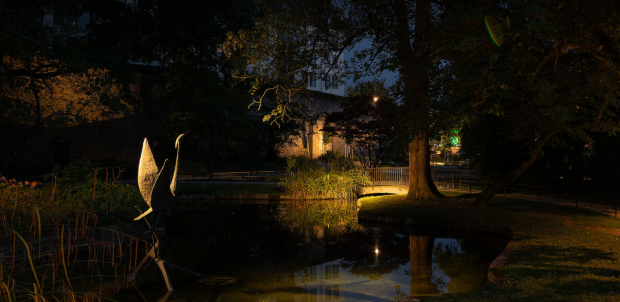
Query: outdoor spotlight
point(376, 98)
point(376, 251)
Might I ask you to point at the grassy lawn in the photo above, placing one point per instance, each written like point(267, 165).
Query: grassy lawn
point(567, 254)
point(226, 189)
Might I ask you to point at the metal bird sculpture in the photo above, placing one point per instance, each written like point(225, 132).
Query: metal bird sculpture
point(154, 183)
point(159, 193)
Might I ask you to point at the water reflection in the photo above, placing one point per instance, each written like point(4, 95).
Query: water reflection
point(354, 263)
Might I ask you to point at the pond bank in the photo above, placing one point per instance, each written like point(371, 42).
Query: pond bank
point(566, 254)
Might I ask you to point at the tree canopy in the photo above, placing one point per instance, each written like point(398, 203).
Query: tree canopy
point(365, 123)
point(554, 72)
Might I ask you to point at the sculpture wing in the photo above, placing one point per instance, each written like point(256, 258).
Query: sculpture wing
point(161, 195)
point(147, 172)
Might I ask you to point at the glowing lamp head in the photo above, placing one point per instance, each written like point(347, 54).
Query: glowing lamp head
point(375, 98)
point(377, 251)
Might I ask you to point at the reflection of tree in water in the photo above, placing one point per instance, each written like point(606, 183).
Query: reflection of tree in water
point(451, 259)
point(463, 263)
point(421, 257)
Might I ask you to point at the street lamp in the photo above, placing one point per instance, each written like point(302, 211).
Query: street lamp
point(375, 98)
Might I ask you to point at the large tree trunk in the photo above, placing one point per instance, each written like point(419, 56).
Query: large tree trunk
point(420, 182)
point(483, 198)
point(415, 67)
point(421, 255)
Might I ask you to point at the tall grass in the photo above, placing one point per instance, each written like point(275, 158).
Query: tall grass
point(333, 178)
point(325, 183)
point(52, 251)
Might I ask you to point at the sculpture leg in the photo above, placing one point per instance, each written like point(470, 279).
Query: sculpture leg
point(150, 254)
point(164, 272)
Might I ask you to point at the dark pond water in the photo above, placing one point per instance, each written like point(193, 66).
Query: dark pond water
point(274, 261)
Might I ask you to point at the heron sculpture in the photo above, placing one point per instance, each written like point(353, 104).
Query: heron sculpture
point(159, 192)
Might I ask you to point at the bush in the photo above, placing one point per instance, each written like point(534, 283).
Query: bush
point(325, 183)
point(74, 188)
point(334, 160)
point(328, 177)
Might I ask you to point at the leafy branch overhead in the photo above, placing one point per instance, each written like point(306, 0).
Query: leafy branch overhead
point(288, 46)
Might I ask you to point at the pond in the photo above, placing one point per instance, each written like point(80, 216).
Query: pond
point(274, 261)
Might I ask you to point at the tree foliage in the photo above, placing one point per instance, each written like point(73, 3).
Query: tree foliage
point(366, 124)
point(70, 62)
point(554, 73)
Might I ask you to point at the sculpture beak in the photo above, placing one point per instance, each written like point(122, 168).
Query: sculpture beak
point(179, 139)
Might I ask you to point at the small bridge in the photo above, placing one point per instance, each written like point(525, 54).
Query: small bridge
point(395, 180)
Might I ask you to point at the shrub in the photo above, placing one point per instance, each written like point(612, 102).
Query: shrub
point(334, 160)
point(75, 184)
point(334, 179)
point(325, 183)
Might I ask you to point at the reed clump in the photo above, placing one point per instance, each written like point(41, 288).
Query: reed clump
point(52, 244)
point(330, 177)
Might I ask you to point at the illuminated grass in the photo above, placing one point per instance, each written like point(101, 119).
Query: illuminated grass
point(567, 254)
point(325, 184)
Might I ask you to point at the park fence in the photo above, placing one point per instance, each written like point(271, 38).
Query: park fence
point(465, 180)
point(399, 176)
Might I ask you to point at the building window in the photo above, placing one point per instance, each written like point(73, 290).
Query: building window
point(331, 82)
point(311, 82)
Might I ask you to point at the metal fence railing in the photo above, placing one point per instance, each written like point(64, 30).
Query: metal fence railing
point(388, 176)
point(463, 179)
point(451, 178)
point(399, 176)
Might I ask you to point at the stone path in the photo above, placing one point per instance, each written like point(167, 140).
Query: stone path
point(603, 209)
